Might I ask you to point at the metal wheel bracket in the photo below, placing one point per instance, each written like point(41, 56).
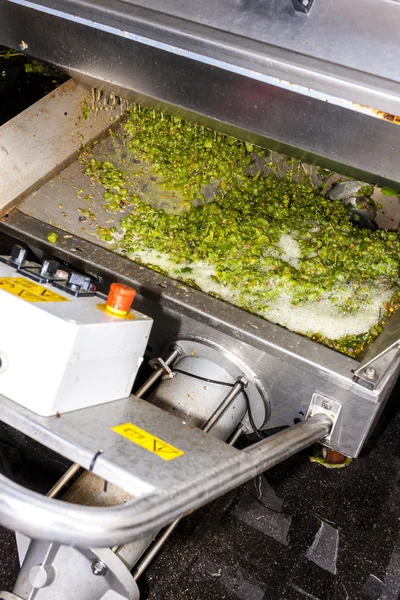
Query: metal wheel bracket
point(331, 408)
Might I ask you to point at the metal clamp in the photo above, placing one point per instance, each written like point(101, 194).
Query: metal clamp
point(155, 363)
point(331, 408)
point(371, 373)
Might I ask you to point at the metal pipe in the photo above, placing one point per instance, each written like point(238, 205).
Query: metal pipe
point(236, 433)
point(225, 404)
point(147, 548)
point(68, 475)
point(155, 548)
point(43, 518)
point(277, 448)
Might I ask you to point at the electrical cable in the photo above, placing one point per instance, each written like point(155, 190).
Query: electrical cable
point(95, 457)
point(251, 418)
point(203, 378)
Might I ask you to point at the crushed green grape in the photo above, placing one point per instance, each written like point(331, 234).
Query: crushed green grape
point(265, 237)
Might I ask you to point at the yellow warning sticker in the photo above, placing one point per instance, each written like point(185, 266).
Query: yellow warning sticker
point(148, 441)
point(28, 290)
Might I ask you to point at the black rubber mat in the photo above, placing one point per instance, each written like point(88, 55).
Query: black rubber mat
point(301, 531)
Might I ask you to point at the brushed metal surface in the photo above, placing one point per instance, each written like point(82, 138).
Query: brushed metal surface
point(81, 434)
point(30, 144)
point(302, 104)
point(291, 367)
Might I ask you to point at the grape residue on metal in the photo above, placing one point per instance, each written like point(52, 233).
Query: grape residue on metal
point(263, 238)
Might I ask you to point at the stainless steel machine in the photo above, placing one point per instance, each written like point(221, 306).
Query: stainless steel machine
point(312, 79)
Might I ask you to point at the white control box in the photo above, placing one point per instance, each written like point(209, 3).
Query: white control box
point(58, 352)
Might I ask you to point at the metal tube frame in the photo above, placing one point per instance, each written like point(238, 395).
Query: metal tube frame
point(40, 517)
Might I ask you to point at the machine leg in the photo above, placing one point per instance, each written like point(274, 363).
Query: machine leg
point(52, 571)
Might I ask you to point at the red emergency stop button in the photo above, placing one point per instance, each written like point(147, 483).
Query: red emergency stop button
point(120, 298)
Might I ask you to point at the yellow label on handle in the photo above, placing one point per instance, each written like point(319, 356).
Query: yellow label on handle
point(148, 441)
point(28, 290)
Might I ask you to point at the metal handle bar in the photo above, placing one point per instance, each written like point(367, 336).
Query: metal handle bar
point(41, 517)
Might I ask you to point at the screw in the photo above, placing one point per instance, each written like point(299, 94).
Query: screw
point(305, 2)
point(370, 373)
point(99, 568)
point(23, 45)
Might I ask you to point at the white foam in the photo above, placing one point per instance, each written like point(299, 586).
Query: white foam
point(322, 316)
point(290, 250)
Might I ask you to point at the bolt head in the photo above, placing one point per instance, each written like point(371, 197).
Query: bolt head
point(99, 568)
point(370, 373)
point(305, 2)
point(23, 45)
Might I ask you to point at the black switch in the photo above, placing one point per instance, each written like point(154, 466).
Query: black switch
point(18, 255)
point(49, 268)
point(79, 282)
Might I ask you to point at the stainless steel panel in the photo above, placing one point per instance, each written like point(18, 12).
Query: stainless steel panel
point(244, 96)
point(22, 166)
point(338, 48)
point(51, 571)
point(389, 337)
point(81, 434)
point(350, 34)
